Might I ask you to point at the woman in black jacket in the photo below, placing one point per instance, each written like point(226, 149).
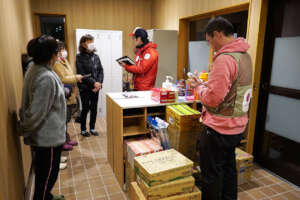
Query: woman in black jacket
point(89, 65)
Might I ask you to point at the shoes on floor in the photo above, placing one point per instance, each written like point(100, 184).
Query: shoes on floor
point(62, 166)
point(59, 197)
point(69, 141)
point(67, 147)
point(63, 159)
point(85, 133)
point(94, 132)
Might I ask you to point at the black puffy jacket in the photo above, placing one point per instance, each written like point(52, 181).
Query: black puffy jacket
point(89, 63)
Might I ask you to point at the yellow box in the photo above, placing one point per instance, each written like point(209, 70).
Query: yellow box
point(162, 167)
point(182, 117)
point(244, 165)
point(172, 188)
point(185, 141)
point(137, 194)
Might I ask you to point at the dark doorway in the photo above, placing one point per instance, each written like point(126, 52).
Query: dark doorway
point(53, 25)
point(277, 137)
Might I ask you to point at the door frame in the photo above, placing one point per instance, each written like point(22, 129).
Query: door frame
point(37, 25)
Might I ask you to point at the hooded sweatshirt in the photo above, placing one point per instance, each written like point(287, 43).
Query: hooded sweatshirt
point(213, 92)
point(145, 68)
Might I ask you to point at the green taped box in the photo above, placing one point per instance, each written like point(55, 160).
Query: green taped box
point(162, 167)
point(178, 187)
point(137, 194)
point(182, 117)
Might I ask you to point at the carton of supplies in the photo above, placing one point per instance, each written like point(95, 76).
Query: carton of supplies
point(162, 167)
point(138, 147)
point(244, 165)
point(163, 95)
point(137, 194)
point(182, 117)
point(177, 187)
point(185, 141)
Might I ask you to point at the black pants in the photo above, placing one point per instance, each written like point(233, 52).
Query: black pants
point(89, 102)
point(218, 166)
point(46, 165)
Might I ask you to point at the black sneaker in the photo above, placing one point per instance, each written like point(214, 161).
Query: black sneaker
point(94, 132)
point(85, 133)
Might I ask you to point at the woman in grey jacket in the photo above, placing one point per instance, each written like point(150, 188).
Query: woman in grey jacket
point(43, 115)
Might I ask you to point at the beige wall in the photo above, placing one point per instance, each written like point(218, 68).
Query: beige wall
point(16, 30)
point(122, 15)
point(166, 13)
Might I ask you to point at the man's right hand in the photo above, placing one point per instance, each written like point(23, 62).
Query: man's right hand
point(79, 78)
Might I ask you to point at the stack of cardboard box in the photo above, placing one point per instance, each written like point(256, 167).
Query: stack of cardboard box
point(165, 175)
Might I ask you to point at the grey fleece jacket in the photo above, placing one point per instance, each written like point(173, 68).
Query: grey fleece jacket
point(43, 116)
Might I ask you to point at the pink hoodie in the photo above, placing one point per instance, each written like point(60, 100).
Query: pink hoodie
point(213, 92)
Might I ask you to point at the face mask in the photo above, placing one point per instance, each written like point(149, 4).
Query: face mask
point(64, 54)
point(91, 47)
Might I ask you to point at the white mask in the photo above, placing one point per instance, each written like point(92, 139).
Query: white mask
point(91, 47)
point(64, 54)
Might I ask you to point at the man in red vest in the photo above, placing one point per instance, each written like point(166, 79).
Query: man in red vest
point(146, 62)
point(225, 98)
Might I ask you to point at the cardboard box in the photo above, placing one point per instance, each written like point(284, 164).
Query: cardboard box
point(137, 194)
point(185, 141)
point(138, 147)
point(182, 117)
point(244, 165)
point(163, 95)
point(172, 188)
point(129, 175)
point(162, 167)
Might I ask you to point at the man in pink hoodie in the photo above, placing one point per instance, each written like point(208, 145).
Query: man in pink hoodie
point(225, 98)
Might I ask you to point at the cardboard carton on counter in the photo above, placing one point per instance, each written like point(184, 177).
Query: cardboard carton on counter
point(177, 187)
point(163, 167)
point(137, 194)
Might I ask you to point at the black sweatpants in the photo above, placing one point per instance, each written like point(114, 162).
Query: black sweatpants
point(218, 165)
point(89, 101)
point(46, 167)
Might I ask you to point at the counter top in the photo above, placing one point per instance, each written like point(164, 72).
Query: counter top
point(137, 99)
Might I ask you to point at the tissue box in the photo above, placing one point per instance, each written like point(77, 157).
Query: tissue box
point(140, 147)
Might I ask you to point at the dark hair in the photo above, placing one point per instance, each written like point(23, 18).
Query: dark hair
point(219, 24)
point(42, 49)
point(26, 60)
point(60, 45)
point(83, 39)
point(143, 35)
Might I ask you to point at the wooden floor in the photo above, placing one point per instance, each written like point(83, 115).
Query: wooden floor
point(89, 176)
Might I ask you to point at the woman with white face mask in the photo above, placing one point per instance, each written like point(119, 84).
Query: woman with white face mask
point(43, 115)
point(88, 64)
point(69, 79)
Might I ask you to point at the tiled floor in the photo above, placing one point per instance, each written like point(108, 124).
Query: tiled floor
point(89, 176)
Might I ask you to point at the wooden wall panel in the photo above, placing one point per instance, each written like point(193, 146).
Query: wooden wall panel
point(16, 30)
point(166, 13)
point(99, 14)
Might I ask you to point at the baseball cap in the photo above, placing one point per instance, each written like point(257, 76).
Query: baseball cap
point(139, 32)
